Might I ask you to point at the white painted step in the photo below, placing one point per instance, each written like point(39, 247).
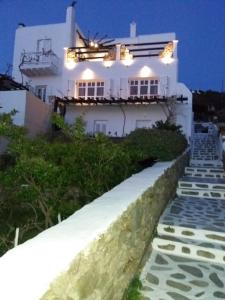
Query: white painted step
point(195, 219)
point(201, 183)
point(205, 163)
point(205, 172)
point(203, 194)
point(171, 277)
point(189, 250)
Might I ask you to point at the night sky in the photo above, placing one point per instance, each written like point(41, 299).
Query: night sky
point(199, 25)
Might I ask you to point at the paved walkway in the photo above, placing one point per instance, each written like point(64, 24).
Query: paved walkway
point(188, 255)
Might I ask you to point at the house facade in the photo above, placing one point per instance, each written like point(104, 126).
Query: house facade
point(116, 85)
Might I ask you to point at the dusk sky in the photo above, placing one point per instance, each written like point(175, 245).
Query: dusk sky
point(199, 25)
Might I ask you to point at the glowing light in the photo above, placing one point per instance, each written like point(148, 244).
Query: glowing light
point(91, 44)
point(70, 64)
point(167, 60)
point(126, 57)
point(70, 59)
point(167, 53)
point(145, 71)
point(87, 74)
point(108, 63)
point(128, 62)
point(96, 45)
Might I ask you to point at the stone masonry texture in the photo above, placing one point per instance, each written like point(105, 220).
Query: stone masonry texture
point(104, 269)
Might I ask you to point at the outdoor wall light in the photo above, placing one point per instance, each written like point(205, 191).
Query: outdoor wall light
point(166, 56)
point(70, 59)
point(87, 74)
point(108, 63)
point(145, 72)
point(126, 56)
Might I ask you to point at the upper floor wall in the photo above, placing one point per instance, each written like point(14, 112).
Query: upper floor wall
point(53, 59)
point(39, 50)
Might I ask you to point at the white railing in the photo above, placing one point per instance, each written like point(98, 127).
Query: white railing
point(36, 58)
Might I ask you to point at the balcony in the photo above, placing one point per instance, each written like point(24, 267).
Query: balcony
point(39, 64)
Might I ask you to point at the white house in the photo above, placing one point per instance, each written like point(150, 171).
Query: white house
point(116, 84)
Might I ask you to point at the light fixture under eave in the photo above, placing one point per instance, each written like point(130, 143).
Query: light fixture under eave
point(126, 56)
point(145, 72)
point(166, 56)
point(70, 59)
point(70, 64)
point(108, 63)
point(87, 74)
point(167, 60)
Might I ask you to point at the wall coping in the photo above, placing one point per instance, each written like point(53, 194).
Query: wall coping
point(27, 271)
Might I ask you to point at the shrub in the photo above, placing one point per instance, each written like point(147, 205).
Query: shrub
point(167, 126)
point(41, 178)
point(162, 145)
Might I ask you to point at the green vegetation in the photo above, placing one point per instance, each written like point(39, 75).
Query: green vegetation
point(133, 291)
point(161, 144)
point(46, 176)
point(167, 126)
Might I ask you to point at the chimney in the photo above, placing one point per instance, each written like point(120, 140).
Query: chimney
point(20, 25)
point(133, 29)
point(70, 26)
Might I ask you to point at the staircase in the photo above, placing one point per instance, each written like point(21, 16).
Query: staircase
point(188, 255)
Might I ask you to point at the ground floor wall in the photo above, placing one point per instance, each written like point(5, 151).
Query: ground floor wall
point(120, 120)
point(93, 254)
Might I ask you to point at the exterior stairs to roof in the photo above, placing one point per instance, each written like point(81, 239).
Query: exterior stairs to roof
point(188, 255)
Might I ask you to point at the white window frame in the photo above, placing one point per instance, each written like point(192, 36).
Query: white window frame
point(144, 121)
point(149, 83)
point(87, 85)
point(41, 92)
point(102, 126)
point(46, 47)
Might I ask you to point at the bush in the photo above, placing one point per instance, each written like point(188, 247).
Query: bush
point(162, 145)
point(41, 178)
point(167, 126)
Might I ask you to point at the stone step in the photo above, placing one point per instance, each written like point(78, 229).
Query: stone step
point(205, 175)
point(210, 245)
point(167, 277)
point(189, 250)
point(205, 170)
point(207, 194)
point(201, 184)
point(195, 219)
point(205, 163)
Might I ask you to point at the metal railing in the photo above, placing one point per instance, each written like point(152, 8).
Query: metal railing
point(36, 58)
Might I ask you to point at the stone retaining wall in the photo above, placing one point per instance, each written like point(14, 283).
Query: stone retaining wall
point(94, 253)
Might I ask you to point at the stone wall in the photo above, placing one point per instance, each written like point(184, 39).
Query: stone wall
point(104, 269)
point(94, 253)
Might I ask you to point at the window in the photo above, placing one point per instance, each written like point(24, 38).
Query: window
point(143, 88)
point(44, 45)
point(154, 87)
point(40, 92)
point(91, 89)
point(100, 126)
point(134, 88)
point(143, 124)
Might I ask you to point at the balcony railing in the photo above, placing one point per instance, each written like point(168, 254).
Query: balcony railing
point(39, 63)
